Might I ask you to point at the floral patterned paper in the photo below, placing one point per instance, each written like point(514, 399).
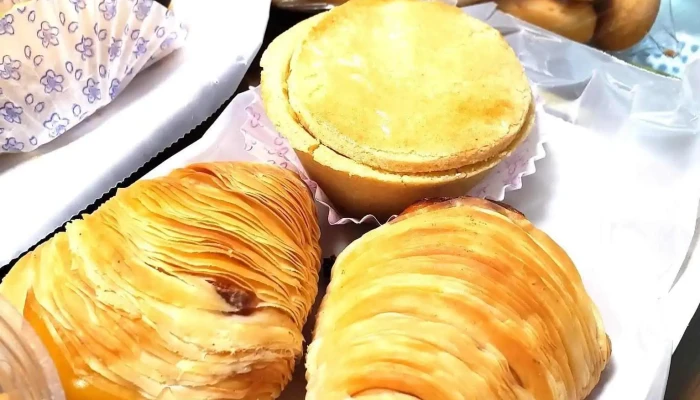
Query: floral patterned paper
point(264, 143)
point(61, 60)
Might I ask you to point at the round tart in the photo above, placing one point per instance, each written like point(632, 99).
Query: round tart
point(396, 100)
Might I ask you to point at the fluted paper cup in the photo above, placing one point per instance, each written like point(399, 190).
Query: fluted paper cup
point(264, 143)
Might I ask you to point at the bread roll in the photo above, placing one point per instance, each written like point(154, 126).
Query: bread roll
point(396, 99)
point(456, 299)
point(624, 23)
point(191, 286)
point(575, 20)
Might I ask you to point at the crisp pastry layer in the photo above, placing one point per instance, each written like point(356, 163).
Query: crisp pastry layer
point(456, 299)
point(191, 286)
point(374, 190)
point(408, 86)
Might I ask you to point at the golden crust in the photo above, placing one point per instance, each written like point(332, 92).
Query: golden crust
point(374, 191)
point(624, 23)
point(197, 284)
point(408, 86)
point(575, 20)
point(475, 303)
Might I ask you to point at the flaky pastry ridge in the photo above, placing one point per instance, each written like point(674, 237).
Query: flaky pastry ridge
point(195, 285)
point(456, 299)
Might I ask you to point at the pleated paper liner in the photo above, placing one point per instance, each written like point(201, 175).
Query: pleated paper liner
point(264, 143)
point(243, 132)
point(62, 60)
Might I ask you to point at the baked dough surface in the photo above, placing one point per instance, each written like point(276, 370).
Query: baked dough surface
point(408, 86)
point(190, 286)
point(460, 299)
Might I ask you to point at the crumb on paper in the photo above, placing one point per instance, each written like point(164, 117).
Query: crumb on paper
point(670, 53)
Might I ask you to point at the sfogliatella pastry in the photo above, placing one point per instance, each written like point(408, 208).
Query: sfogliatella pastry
point(191, 286)
point(456, 299)
point(390, 101)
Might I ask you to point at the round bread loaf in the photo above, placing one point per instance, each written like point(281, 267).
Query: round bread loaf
point(575, 20)
point(624, 23)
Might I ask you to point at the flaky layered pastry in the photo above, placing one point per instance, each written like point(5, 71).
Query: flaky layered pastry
point(398, 99)
point(191, 286)
point(456, 299)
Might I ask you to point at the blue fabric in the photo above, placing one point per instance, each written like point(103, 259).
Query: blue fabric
point(674, 40)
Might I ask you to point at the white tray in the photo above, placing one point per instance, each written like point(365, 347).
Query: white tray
point(41, 190)
point(622, 211)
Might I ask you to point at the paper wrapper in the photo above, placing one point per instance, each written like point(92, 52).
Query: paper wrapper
point(26, 370)
point(264, 143)
point(61, 60)
point(598, 235)
point(625, 216)
point(622, 208)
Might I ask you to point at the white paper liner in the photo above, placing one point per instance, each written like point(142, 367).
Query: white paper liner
point(267, 145)
point(582, 206)
point(60, 61)
point(641, 346)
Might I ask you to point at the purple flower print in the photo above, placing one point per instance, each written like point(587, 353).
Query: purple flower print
point(6, 27)
point(141, 47)
point(84, 47)
point(56, 125)
point(52, 82)
point(115, 49)
point(11, 144)
point(108, 8)
point(9, 68)
point(114, 88)
point(92, 91)
point(168, 42)
point(142, 9)
point(78, 4)
point(11, 113)
point(48, 35)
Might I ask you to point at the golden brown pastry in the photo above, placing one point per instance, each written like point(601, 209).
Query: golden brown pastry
point(191, 286)
point(624, 23)
point(396, 99)
point(456, 299)
point(573, 19)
